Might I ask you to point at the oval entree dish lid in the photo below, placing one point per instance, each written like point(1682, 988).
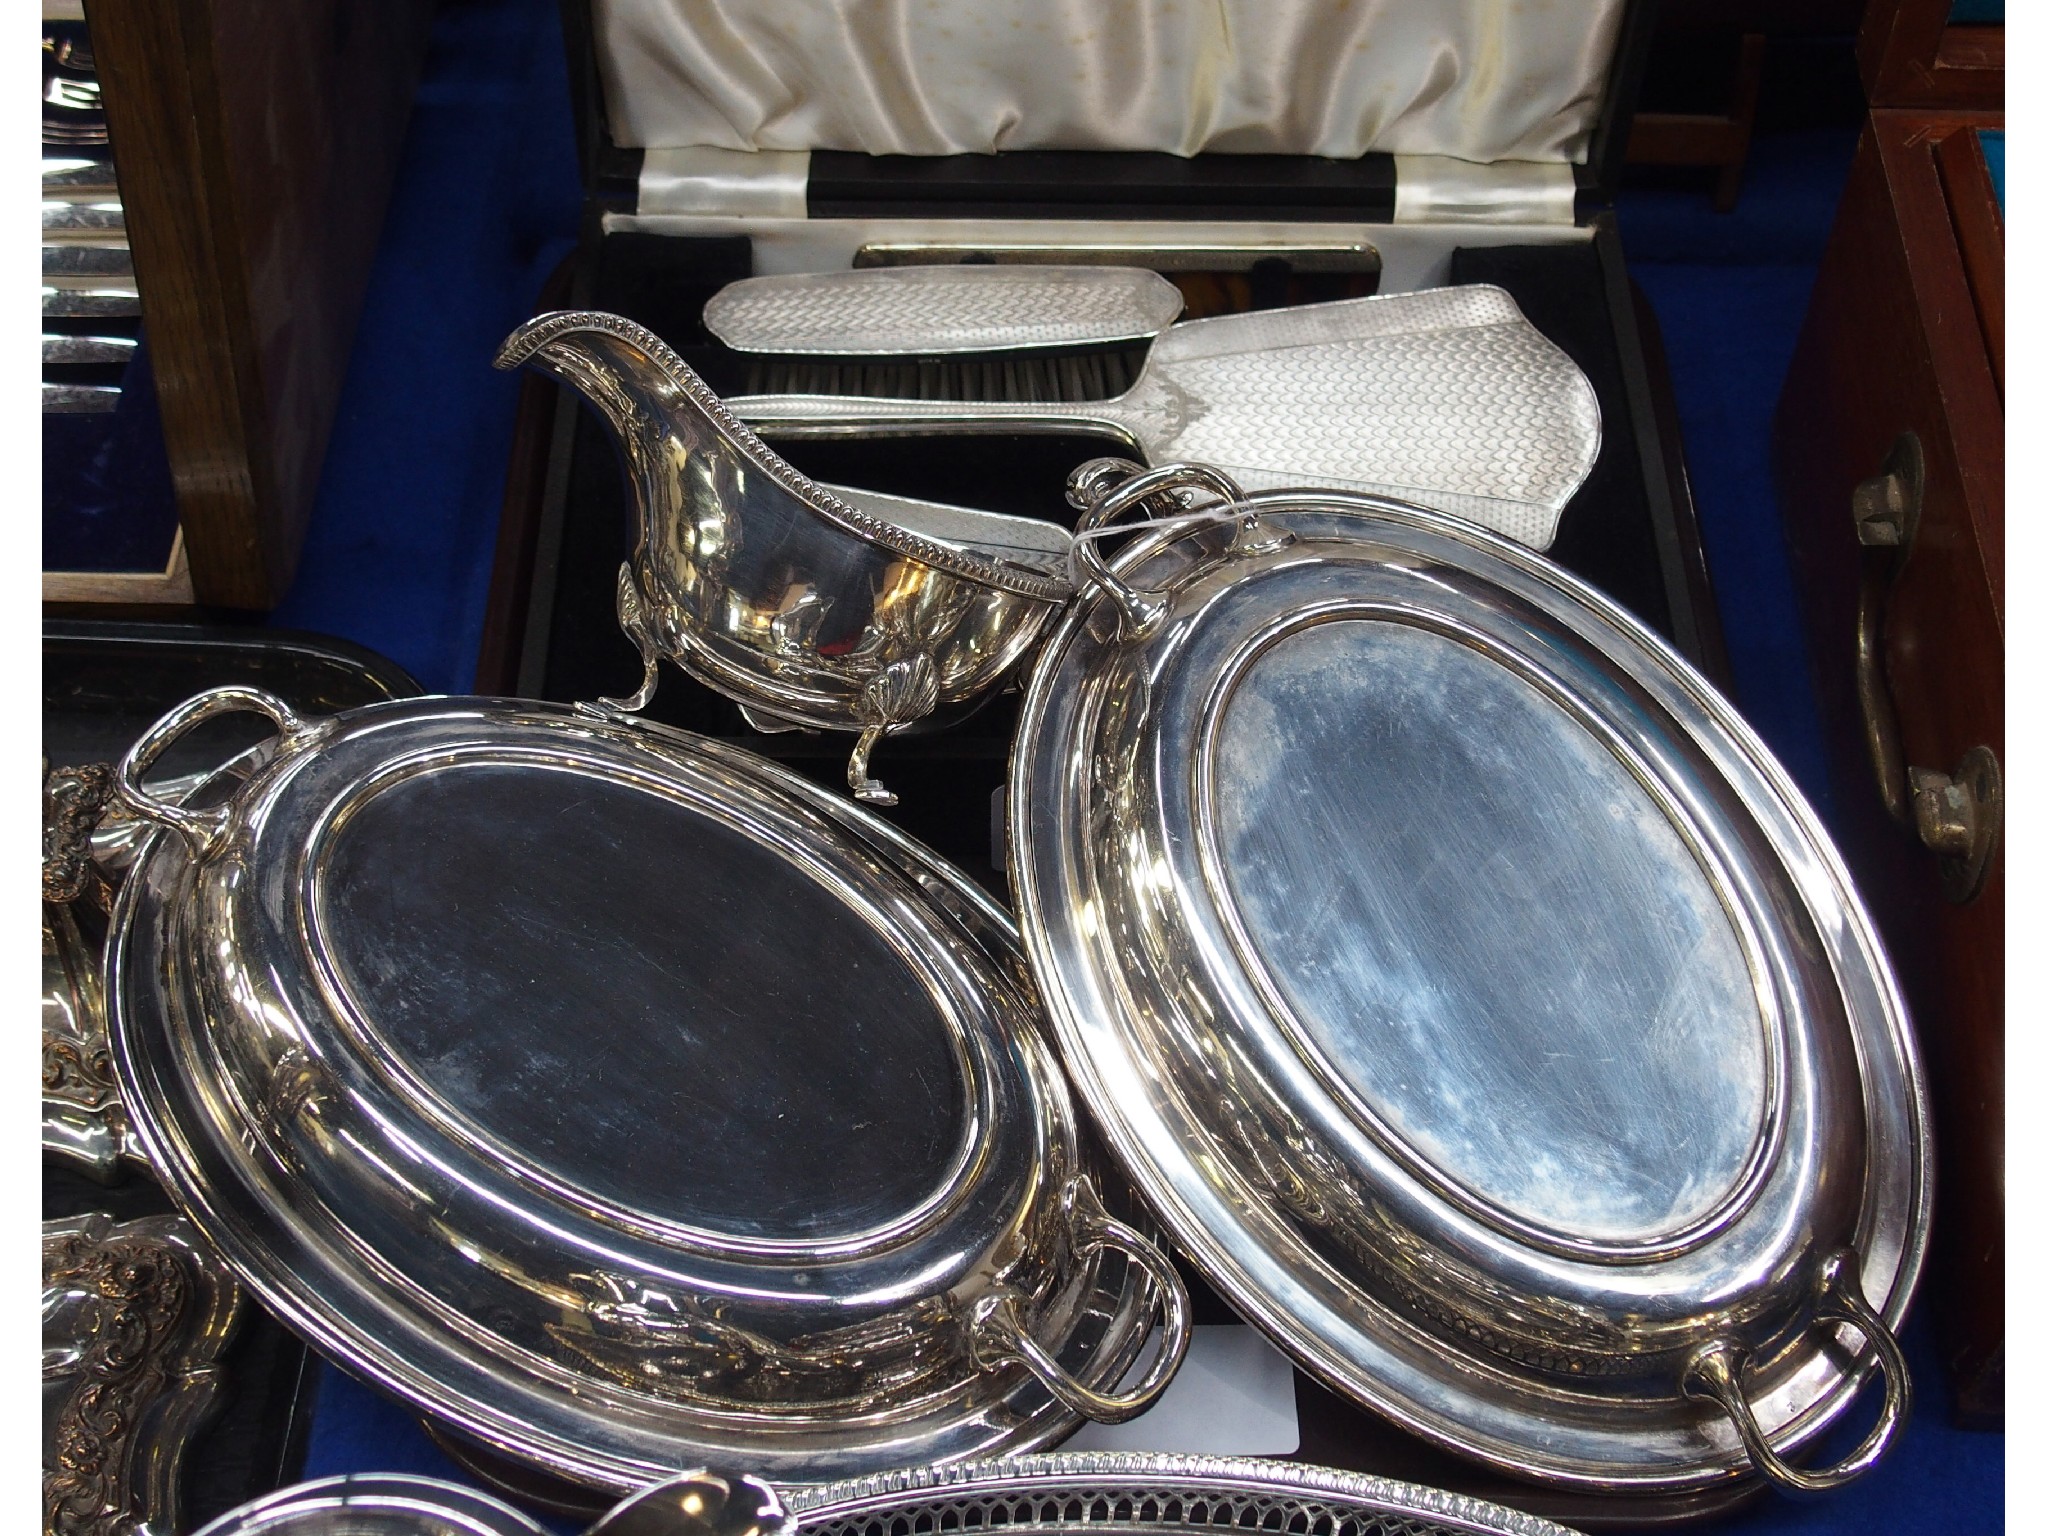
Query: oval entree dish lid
point(1477, 1002)
point(619, 1098)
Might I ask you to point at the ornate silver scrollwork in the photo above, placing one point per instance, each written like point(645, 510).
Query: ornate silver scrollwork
point(135, 1317)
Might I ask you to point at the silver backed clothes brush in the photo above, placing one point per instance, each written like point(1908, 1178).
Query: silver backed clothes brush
point(929, 311)
point(1448, 397)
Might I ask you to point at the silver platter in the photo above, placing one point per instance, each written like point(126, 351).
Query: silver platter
point(1479, 1005)
point(619, 1099)
point(1123, 1494)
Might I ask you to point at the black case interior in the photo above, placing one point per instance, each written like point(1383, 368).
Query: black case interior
point(1625, 531)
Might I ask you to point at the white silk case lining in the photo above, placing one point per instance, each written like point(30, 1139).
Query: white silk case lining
point(728, 97)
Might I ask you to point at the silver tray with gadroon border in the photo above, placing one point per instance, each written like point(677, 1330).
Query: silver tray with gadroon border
point(1476, 1001)
point(619, 1099)
point(1124, 1493)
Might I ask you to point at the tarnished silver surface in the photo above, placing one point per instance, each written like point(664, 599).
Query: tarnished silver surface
point(919, 311)
point(79, 178)
point(65, 218)
point(619, 1098)
point(102, 300)
point(135, 1317)
point(1478, 1003)
point(1447, 396)
point(773, 590)
point(1158, 1495)
point(86, 265)
point(88, 349)
point(375, 1504)
point(80, 399)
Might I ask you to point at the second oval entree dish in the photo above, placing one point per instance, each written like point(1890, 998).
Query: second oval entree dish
point(1474, 999)
point(620, 1099)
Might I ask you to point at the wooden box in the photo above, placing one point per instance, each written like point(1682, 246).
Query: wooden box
point(1900, 370)
point(254, 146)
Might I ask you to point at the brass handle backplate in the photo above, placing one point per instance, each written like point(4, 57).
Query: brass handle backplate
point(1957, 816)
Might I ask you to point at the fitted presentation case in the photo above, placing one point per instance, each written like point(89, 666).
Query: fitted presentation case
point(666, 225)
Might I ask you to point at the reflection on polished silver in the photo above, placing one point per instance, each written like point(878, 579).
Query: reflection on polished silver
point(814, 607)
point(697, 1503)
point(80, 399)
point(1149, 1494)
point(1447, 396)
point(618, 1097)
point(375, 1504)
point(920, 310)
point(83, 1121)
point(1477, 1002)
point(700, 1503)
point(89, 842)
point(135, 1317)
point(1715, 1372)
point(82, 1117)
point(100, 301)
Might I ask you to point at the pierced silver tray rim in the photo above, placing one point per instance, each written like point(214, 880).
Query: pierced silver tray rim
point(1139, 1473)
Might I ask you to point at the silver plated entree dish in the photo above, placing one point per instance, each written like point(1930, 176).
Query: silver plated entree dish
point(619, 1099)
point(1476, 1001)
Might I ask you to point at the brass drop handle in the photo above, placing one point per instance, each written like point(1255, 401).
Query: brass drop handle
point(1957, 816)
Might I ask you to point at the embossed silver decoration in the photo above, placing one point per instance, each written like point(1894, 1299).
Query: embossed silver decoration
point(83, 1121)
point(74, 800)
point(839, 612)
point(1447, 396)
point(135, 1317)
point(88, 841)
point(921, 311)
point(1477, 1002)
point(619, 1098)
point(1124, 1494)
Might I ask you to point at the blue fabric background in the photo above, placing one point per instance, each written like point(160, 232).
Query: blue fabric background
point(399, 551)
